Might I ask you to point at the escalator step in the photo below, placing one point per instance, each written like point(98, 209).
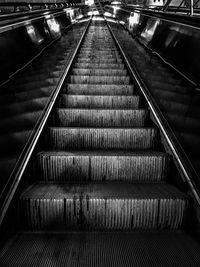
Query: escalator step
point(100, 118)
point(100, 138)
point(98, 60)
point(86, 79)
point(99, 101)
point(99, 65)
point(102, 72)
point(100, 89)
point(103, 166)
point(108, 206)
point(98, 56)
point(114, 249)
point(102, 52)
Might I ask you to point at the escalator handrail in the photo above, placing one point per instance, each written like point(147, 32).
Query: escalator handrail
point(181, 158)
point(20, 167)
point(185, 20)
point(25, 18)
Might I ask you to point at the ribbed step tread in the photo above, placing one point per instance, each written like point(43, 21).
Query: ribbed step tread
point(101, 118)
point(100, 138)
point(100, 60)
point(100, 89)
point(108, 206)
point(97, 49)
point(98, 56)
point(98, 101)
point(92, 65)
point(93, 52)
point(86, 79)
point(99, 44)
point(83, 249)
point(100, 72)
point(103, 166)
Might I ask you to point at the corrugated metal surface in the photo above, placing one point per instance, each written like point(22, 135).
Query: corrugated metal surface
point(99, 89)
point(101, 118)
point(99, 65)
point(101, 250)
point(78, 166)
point(104, 72)
point(86, 79)
point(103, 206)
point(98, 138)
point(94, 101)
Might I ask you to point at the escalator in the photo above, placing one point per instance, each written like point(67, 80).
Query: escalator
point(24, 98)
point(103, 192)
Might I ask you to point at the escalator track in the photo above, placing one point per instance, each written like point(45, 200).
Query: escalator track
point(102, 194)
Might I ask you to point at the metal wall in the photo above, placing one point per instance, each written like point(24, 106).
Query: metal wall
point(177, 42)
point(21, 41)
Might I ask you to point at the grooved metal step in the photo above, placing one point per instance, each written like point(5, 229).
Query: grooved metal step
point(86, 79)
point(98, 56)
point(100, 72)
point(97, 49)
point(96, 206)
point(102, 138)
point(119, 249)
point(99, 89)
point(98, 52)
point(98, 60)
point(100, 118)
point(100, 101)
point(103, 166)
point(99, 65)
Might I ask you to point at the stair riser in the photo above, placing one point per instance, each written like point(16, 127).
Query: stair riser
point(90, 48)
point(98, 54)
point(87, 89)
point(99, 72)
point(100, 79)
point(66, 138)
point(138, 168)
point(103, 102)
point(98, 60)
point(98, 42)
point(98, 49)
point(99, 66)
point(103, 214)
point(100, 118)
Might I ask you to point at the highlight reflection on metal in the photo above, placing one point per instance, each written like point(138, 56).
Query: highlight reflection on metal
point(149, 31)
point(95, 13)
point(133, 19)
point(89, 2)
point(53, 25)
point(33, 34)
point(115, 9)
point(70, 12)
point(107, 14)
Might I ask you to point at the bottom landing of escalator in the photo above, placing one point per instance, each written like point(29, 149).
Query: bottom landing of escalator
point(101, 249)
